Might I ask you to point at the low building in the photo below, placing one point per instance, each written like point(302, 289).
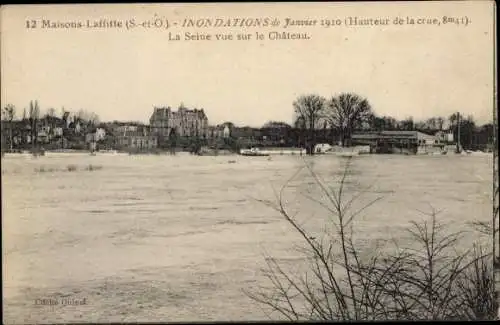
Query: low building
point(444, 136)
point(125, 128)
point(76, 127)
point(247, 136)
point(218, 132)
point(57, 131)
point(98, 135)
point(136, 140)
point(43, 134)
point(399, 141)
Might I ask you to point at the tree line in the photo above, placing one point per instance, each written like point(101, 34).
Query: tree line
point(33, 113)
point(315, 119)
point(346, 113)
point(32, 119)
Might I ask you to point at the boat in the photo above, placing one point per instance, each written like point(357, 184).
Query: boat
point(326, 149)
point(254, 152)
point(207, 151)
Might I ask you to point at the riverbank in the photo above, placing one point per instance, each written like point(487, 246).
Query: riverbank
point(282, 151)
point(339, 151)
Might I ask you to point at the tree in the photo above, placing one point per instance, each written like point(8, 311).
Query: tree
point(65, 116)
point(407, 124)
point(390, 123)
point(34, 115)
point(484, 136)
point(346, 112)
point(308, 109)
point(50, 118)
point(51, 112)
point(440, 123)
point(173, 140)
point(8, 114)
point(431, 125)
point(93, 119)
point(376, 123)
point(467, 129)
point(89, 119)
point(453, 118)
point(426, 278)
point(277, 125)
point(230, 125)
point(277, 131)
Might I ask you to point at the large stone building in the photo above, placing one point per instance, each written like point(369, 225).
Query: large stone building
point(184, 123)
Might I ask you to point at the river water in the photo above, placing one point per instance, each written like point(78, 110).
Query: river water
point(178, 238)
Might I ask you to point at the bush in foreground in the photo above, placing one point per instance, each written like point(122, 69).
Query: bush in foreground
point(428, 279)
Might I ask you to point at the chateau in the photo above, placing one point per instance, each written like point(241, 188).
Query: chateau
point(185, 122)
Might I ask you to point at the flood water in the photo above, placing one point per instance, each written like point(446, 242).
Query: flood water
point(178, 238)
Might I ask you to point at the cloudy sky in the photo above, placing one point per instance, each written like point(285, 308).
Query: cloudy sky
point(406, 70)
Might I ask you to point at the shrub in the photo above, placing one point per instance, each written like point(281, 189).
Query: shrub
point(426, 280)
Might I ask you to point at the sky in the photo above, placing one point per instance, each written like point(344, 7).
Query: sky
point(403, 70)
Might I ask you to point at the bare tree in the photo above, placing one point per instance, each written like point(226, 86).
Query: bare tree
point(34, 115)
point(440, 123)
point(65, 116)
point(426, 280)
point(276, 124)
point(308, 110)
point(346, 112)
point(93, 119)
point(51, 112)
point(408, 124)
point(50, 119)
point(90, 119)
point(431, 124)
point(8, 114)
point(453, 119)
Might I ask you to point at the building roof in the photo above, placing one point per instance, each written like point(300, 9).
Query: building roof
point(399, 133)
point(138, 133)
point(391, 134)
point(163, 112)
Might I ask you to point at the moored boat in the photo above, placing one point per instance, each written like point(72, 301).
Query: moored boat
point(253, 152)
point(327, 149)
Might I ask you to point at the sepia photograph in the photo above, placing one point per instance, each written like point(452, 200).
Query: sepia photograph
point(194, 162)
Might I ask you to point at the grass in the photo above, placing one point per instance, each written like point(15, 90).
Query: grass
point(426, 279)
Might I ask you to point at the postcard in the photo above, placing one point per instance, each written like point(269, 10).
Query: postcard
point(249, 162)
